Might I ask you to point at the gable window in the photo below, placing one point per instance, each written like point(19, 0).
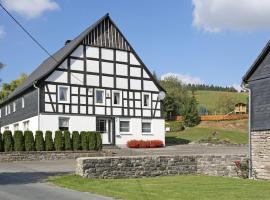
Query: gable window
point(124, 126)
point(26, 125)
point(14, 106)
point(116, 98)
point(146, 100)
point(63, 123)
point(100, 97)
point(146, 127)
point(22, 102)
point(63, 94)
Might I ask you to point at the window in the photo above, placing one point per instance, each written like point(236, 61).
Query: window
point(6, 108)
point(116, 98)
point(146, 127)
point(26, 125)
point(100, 97)
point(63, 94)
point(63, 123)
point(124, 126)
point(16, 127)
point(146, 100)
point(7, 128)
point(0, 113)
point(14, 106)
point(22, 102)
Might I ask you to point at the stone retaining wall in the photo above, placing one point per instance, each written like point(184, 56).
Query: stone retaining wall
point(150, 166)
point(260, 147)
point(48, 155)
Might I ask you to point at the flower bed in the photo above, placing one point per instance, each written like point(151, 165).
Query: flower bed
point(145, 144)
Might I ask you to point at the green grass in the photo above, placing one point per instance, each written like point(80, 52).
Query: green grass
point(189, 187)
point(233, 131)
point(208, 99)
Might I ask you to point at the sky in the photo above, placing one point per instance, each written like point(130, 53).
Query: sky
point(198, 41)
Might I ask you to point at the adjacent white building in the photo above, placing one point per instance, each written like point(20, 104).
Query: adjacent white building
point(95, 82)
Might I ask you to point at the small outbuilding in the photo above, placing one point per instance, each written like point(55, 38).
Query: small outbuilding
point(257, 81)
point(240, 108)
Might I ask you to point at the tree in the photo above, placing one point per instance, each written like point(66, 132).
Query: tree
point(1, 67)
point(225, 103)
point(155, 76)
point(190, 112)
point(7, 88)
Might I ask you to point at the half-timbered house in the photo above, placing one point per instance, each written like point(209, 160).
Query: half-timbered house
point(94, 82)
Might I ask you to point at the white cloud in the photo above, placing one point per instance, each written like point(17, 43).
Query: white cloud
point(2, 32)
point(184, 78)
point(30, 8)
point(237, 87)
point(234, 15)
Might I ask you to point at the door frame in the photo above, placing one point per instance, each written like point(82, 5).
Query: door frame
point(112, 119)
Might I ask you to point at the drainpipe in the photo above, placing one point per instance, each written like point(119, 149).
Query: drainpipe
point(249, 131)
point(38, 89)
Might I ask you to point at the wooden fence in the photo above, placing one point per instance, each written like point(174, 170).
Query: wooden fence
point(217, 117)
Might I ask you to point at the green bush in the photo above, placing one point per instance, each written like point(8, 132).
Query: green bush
point(92, 140)
point(85, 141)
point(76, 140)
point(1, 142)
point(58, 141)
point(68, 142)
point(175, 126)
point(99, 141)
point(39, 141)
point(18, 141)
point(8, 141)
point(29, 141)
point(49, 141)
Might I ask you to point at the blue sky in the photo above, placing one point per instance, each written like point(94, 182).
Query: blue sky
point(186, 38)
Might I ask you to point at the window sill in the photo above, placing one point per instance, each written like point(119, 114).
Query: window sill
point(123, 133)
point(147, 134)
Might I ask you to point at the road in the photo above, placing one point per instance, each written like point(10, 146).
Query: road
point(27, 181)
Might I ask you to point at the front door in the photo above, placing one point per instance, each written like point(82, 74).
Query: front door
point(105, 127)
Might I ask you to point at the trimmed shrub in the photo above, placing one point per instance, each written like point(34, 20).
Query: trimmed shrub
point(68, 142)
point(8, 141)
point(76, 141)
point(92, 140)
point(99, 141)
point(175, 126)
point(49, 141)
point(18, 141)
point(85, 141)
point(145, 144)
point(29, 141)
point(1, 142)
point(39, 141)
point(58, 141)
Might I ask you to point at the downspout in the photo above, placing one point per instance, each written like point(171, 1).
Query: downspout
point(249, 132)
point(38, 89)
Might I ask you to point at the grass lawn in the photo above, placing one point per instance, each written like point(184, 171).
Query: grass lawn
point(187, 187)
point(233, 131)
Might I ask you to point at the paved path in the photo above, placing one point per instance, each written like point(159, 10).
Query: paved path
point(26, 181)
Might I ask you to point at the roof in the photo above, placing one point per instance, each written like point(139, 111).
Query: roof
point(48, 65)
point(257, 62)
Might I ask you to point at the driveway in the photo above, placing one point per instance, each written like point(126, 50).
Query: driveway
point(26, 181)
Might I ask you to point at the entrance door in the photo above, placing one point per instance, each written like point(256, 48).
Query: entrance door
point(105, 127)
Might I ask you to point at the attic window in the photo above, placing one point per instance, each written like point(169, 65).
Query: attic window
point(63, 94)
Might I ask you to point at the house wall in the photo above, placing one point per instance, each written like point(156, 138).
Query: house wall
point(30, 109)
point(260, 147)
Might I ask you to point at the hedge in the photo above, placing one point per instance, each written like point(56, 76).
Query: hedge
point(49, 146)
point(99, 141)
point(76, 141)
point(1, 142)
point(58, 141)
point(85, 141)
point(39, 141)
point(29, 141)
point(18, 141)
point(67, 139)
point(92, 140)
point(8, 141)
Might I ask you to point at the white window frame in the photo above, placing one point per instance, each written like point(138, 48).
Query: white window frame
point(103, 99)
point(147, 121)
point(120, 97)
point(63, 118)
point(0, 112)
point(26, 128)
point(124, 132)
point(14, 106)
point(149, 94)
point(68, 94)
point(9, 108)
point(23, 102)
